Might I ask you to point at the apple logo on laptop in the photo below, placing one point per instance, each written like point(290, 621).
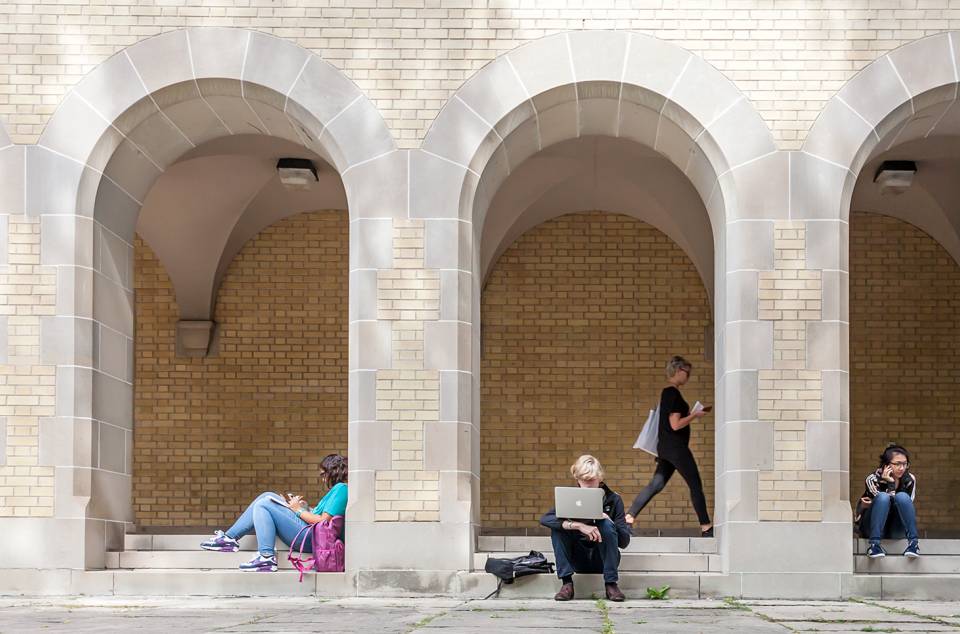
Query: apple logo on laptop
point(579, 502)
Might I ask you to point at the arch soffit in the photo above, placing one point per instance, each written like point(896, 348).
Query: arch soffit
point(550, 185)
point(606, 83)
point(147, 105)
point(897, 98)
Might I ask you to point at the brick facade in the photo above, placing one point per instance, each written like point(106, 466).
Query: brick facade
point(790, 394)
point(212, 433)
point(904, 320)
point(408, 394)
point(26, 382)
point(410, 57)
point(580, 316)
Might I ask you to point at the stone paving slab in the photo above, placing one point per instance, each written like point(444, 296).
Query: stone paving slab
point(830, 611)
point(449, 616)
point(628, 618)
point(945, 611)
point(866, 626)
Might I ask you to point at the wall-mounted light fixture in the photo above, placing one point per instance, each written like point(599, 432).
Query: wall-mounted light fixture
point(297, 173)
point(895, 177)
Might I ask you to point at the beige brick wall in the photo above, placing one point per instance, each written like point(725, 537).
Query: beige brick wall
point(904, 368)
point(408, 394)
point(790, 395)
point(580, 316)
point(212, 433)
point(409, 56)
point(27, 387)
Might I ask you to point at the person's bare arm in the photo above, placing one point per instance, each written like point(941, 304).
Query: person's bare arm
point(310, 518)
point(677, 422)
point(297, 505)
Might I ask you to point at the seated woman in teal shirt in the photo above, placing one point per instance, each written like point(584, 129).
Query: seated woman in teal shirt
point(272, 515)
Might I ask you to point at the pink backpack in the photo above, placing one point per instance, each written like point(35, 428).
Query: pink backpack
point(327, 547)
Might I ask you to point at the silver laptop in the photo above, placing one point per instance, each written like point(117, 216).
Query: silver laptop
point(579, 504)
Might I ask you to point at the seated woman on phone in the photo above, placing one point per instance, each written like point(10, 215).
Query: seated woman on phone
point(885, 510)
point(271, 515)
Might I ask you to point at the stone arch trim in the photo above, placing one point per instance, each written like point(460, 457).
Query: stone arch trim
point(875, 108)
point(600, 83)
point(86, 178)
point(237, 80)
point(614, 83)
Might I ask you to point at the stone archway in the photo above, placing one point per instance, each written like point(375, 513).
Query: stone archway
point(902, 106)
point(88, 176)
point(623, 85)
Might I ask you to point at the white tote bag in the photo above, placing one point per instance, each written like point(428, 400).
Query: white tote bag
point(647, 440)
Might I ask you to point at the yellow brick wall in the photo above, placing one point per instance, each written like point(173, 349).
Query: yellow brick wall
point(409, 56)
point(580, 316)
point(904, 364)
point(210, 434)
point(27, 387)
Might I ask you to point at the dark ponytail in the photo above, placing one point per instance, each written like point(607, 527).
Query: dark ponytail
point(887, 456)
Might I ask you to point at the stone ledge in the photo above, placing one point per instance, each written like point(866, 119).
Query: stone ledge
point(470, 585)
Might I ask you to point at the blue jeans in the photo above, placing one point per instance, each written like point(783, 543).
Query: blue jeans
point(269, 519)
point(575, 553)
point(886, 525)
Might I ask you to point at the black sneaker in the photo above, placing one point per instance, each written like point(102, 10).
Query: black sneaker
point(707, 533)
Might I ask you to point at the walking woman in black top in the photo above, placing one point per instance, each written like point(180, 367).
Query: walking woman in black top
point(673, 450)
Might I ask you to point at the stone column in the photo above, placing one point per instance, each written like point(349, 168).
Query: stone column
point(784, 440)
point(411, 444)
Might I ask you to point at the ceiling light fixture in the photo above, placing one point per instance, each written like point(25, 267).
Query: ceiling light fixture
point(895, 177)
point(297, 173)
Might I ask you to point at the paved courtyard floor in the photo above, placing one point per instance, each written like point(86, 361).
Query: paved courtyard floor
point(436, 616)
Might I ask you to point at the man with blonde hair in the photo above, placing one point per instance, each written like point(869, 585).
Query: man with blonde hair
point(589, 546)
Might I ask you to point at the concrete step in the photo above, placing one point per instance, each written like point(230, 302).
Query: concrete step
point(400, 583)
point(141, 541)
point(524, 544)
point(185, 560)
point(632, 562)
point(898, 564)
point(518, 544)
point(205, 560)
point(927, 546)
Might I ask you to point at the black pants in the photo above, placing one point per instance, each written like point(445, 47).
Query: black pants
point(683, 462)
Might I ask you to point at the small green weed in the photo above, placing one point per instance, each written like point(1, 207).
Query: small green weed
point(607, 627)
point(658, 594)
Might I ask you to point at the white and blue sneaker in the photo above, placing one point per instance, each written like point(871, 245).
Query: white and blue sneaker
point(221, 543)
point(260, 564)
point(876, 551)
point(912, 550)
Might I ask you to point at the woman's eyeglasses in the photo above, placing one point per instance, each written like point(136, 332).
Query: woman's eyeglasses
point(900, 464)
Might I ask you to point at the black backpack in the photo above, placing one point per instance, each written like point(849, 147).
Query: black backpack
point(506, 570)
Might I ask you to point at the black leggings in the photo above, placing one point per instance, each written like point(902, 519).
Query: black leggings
point(687, 466)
